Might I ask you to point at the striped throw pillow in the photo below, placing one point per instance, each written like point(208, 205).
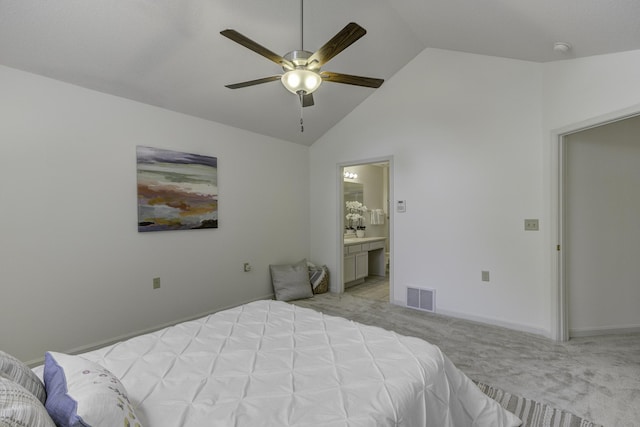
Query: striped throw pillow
point(16, 371)
point(20, 408)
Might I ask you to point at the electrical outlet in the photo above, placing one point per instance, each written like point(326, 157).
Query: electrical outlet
point(485, 276)
point(156, 283)
point(531, 225)
point(247, 267)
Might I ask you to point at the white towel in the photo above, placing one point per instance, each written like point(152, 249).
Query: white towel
point(377, 217)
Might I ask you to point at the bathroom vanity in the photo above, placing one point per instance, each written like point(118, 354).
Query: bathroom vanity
point(363, 257)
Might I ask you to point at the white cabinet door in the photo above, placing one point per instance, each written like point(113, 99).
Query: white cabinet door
point(362, 265)
point(349, 268)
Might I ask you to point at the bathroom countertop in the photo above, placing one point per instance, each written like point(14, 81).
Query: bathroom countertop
point(358, 240)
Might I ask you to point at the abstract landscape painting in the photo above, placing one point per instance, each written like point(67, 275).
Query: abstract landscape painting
point(176, 191)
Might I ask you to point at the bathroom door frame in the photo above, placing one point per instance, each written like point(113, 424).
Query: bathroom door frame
point(340, 215)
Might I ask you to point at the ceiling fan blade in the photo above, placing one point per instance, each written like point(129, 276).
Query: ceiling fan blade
point(254, 82)
point(257, 48)
point(328, 76)
point(345, 38)
point(307, 100)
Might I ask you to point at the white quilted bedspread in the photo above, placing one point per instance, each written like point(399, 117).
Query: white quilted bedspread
point(270, 363)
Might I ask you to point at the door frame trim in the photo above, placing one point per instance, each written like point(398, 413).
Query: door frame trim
point(340, 223)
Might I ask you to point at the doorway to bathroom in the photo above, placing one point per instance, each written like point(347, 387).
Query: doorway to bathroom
point(365, 229)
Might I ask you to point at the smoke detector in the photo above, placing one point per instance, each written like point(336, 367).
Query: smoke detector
point(561, 47)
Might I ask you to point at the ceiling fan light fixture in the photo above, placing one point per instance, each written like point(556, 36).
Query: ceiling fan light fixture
point(301, 79)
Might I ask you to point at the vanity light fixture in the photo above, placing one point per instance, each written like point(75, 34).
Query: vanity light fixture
point(350, 175)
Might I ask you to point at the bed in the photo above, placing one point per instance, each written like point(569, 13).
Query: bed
point(270, 363)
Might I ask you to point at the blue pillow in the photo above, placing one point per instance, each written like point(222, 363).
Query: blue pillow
point(81, 393)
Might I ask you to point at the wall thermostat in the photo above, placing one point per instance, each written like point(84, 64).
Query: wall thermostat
point(401, 206)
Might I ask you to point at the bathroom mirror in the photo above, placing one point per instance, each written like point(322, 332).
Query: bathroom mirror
point(353, 191)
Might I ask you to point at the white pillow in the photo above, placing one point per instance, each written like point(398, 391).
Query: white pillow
point(81, 393)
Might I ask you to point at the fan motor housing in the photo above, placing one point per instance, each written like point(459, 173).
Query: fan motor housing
point(299, 59)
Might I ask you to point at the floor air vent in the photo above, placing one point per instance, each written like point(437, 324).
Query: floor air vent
point(421, 298)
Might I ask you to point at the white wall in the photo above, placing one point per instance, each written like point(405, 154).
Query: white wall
point(473, 156)
point(580, 93)
point(582, 89)
point(474, 141)
point(602, 232)
point(465, 135)
point(73, 268)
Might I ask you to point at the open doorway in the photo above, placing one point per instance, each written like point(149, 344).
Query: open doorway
point(365, 229)
point(594, 214)
point(601, 203)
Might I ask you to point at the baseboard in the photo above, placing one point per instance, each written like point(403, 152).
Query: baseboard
point(488, 321)
point(110, 341)
point(592, 332)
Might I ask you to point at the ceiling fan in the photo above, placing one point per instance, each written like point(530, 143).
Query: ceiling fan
point(302, 73)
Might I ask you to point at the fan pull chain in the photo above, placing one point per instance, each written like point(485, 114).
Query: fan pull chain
point(301, 112)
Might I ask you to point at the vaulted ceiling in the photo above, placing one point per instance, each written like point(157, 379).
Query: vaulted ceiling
point(170, 53)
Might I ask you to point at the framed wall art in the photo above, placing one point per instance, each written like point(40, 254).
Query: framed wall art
point(176, 191)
